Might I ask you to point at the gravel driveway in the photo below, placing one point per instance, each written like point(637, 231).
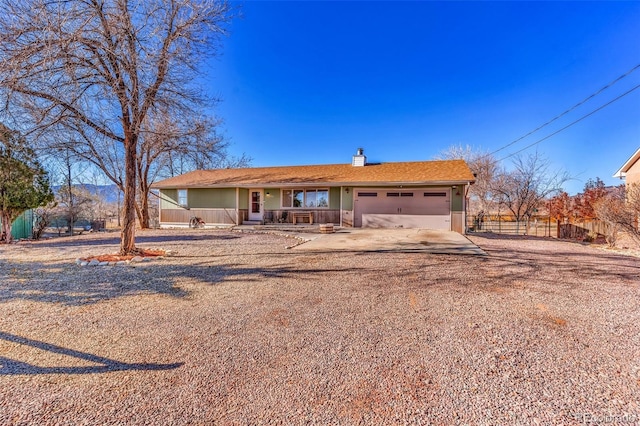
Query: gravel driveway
point(237, 329)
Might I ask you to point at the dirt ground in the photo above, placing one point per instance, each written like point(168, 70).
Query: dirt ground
point(235, 328)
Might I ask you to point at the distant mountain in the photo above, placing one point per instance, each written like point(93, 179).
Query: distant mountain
point(109, 193)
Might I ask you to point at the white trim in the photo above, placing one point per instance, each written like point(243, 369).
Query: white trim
point(622, 173)
point(260, 215)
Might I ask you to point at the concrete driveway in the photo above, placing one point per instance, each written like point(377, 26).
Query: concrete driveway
point(392, 240)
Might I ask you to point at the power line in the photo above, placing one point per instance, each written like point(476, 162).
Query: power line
point(567, 111)
point(572, 123)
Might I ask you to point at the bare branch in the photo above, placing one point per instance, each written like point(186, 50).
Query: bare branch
point(93, 71)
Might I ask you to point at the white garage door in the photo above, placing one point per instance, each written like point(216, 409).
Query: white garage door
point(405, 208)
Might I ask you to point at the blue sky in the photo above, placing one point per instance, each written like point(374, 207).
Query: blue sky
point(309, 82)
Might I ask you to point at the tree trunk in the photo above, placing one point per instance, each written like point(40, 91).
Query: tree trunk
point(143, 211)
point(6, 227)
point(144, 203)
point(142, 207)
point(144, 223)
point(139, 213)
point(128, 234)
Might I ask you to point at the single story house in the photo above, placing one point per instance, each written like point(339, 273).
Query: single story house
point(421, 194)
point(630, 171)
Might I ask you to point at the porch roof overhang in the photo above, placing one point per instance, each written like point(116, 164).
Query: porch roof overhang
point(321, 184)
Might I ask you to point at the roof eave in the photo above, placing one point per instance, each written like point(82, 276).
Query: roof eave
point(628, 164)
point(315, 183)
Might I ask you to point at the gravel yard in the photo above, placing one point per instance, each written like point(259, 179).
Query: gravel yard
point(237, 329)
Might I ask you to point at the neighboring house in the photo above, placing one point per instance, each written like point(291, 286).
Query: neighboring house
point(22, 227)
point(426, 194)
point(630, 171)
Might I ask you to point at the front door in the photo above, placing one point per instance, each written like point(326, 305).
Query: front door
point(255, 204)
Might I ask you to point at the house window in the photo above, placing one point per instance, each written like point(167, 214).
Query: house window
point(322, 198)
point(182, 197)
point(309, 198)
point(287, 198)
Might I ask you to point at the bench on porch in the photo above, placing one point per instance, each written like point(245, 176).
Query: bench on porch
point(302, 215)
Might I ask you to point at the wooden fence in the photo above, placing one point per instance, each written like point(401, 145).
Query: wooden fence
point(582, 230)
point(540, 226)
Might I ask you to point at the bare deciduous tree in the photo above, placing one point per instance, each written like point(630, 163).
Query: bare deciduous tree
point(70, 200)
point(166, 142)
point(523, 189)
point(96, 69)
point(192, 142)
point(484, 167)
point(620, 209)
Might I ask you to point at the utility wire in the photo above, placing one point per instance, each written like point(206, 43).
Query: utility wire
point(572, 123)
point(566, 112)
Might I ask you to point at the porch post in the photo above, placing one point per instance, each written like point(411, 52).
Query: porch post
point(237, 206)
point(341, 207)
point(464, 207)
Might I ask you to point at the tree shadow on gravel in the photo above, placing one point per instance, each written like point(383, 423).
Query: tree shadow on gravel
point(74, 285)
point(568, 259)
point(100, 240)
point(105, 365)
point(431, 249)
point(497, 236)
point(556, 269)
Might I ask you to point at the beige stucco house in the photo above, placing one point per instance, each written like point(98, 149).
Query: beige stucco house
point(421, 194)
point(630, 171)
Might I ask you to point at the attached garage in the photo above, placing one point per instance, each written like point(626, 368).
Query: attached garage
point(427, 207)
